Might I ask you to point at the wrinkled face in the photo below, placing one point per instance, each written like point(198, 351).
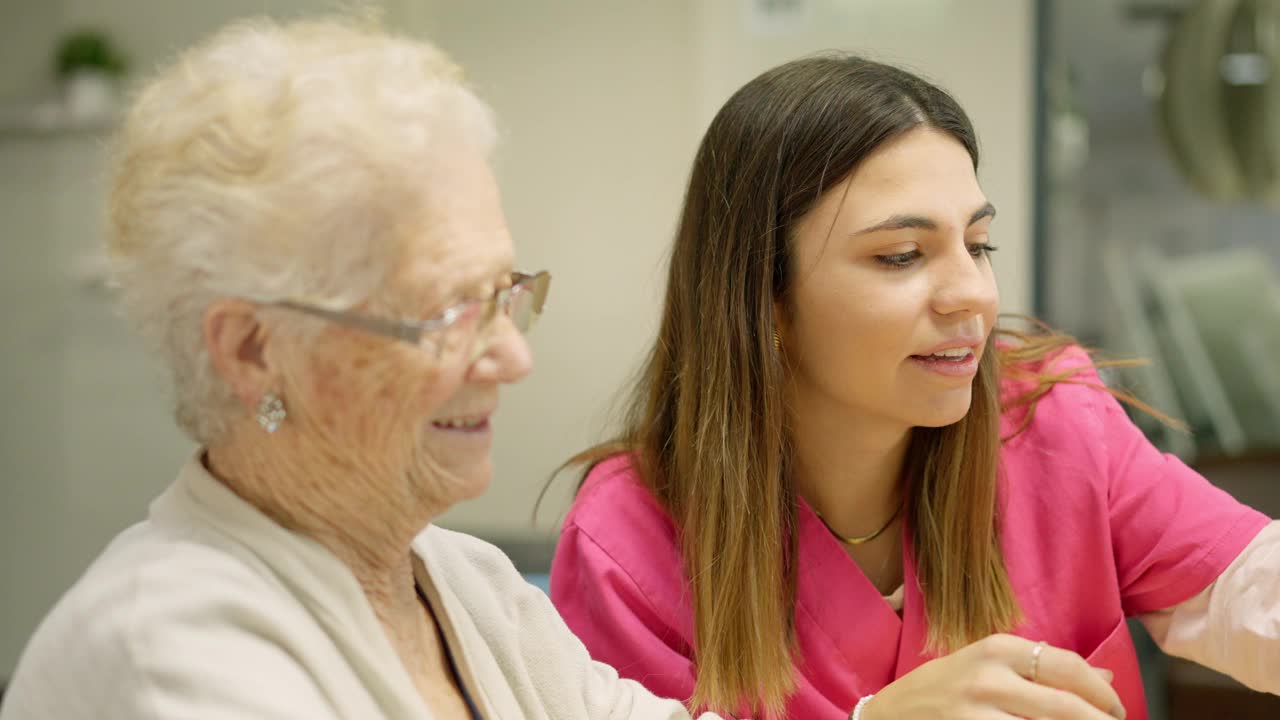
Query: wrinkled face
point(396, 412)
point(893, 296)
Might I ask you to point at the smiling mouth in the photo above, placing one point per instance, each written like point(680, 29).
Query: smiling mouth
point(952, 355)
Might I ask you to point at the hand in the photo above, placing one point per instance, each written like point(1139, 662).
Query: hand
point(990, 680)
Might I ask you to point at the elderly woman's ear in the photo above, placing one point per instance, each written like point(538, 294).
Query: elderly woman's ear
point(236, 338)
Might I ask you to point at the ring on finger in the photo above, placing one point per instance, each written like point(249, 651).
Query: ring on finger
point(1034, 675)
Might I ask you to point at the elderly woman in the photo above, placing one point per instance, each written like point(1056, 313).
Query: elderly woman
point(305, 226)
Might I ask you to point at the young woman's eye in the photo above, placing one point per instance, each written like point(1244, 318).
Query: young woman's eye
point(979, 250)
point(900, 260)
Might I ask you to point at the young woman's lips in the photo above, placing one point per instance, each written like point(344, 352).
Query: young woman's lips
point(956, 362)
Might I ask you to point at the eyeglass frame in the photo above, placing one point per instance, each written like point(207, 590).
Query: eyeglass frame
point(413, 331)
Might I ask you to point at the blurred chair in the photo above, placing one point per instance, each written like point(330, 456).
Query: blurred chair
point(1133, 334)
point(1211, 325)
point(1221, 310)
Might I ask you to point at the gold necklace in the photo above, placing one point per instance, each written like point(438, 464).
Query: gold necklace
point(864, 538)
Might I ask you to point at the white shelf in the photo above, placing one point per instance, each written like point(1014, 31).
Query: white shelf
point(50, 120)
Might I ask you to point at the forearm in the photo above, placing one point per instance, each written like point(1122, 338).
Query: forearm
point(1233, 626)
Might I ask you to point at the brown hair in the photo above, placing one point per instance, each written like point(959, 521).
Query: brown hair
point(707, 425)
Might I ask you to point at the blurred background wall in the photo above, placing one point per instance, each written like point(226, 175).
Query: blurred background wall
point(601, 103)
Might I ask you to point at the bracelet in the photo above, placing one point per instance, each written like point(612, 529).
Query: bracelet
point(857, 709)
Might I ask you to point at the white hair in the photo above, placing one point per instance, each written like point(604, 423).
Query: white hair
point(272, 161)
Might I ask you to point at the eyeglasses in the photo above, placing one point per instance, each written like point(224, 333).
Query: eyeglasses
point(462, 331)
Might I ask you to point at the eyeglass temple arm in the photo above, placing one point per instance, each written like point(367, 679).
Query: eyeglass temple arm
point(393, 328)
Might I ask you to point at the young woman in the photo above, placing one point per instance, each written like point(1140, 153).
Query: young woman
point(838, 480)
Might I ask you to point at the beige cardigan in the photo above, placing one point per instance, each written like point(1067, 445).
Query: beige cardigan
point(210, 610)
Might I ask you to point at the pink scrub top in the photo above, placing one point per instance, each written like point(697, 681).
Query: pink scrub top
point(1096, 525)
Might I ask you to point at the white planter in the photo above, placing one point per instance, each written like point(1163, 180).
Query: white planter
point(89, 94)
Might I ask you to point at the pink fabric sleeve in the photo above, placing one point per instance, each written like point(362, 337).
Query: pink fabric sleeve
point(605, 607)
point(1173, 532)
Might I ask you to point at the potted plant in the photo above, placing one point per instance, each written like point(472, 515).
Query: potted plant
point(88, 66)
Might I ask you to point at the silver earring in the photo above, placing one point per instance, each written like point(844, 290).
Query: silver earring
point(271, 412)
